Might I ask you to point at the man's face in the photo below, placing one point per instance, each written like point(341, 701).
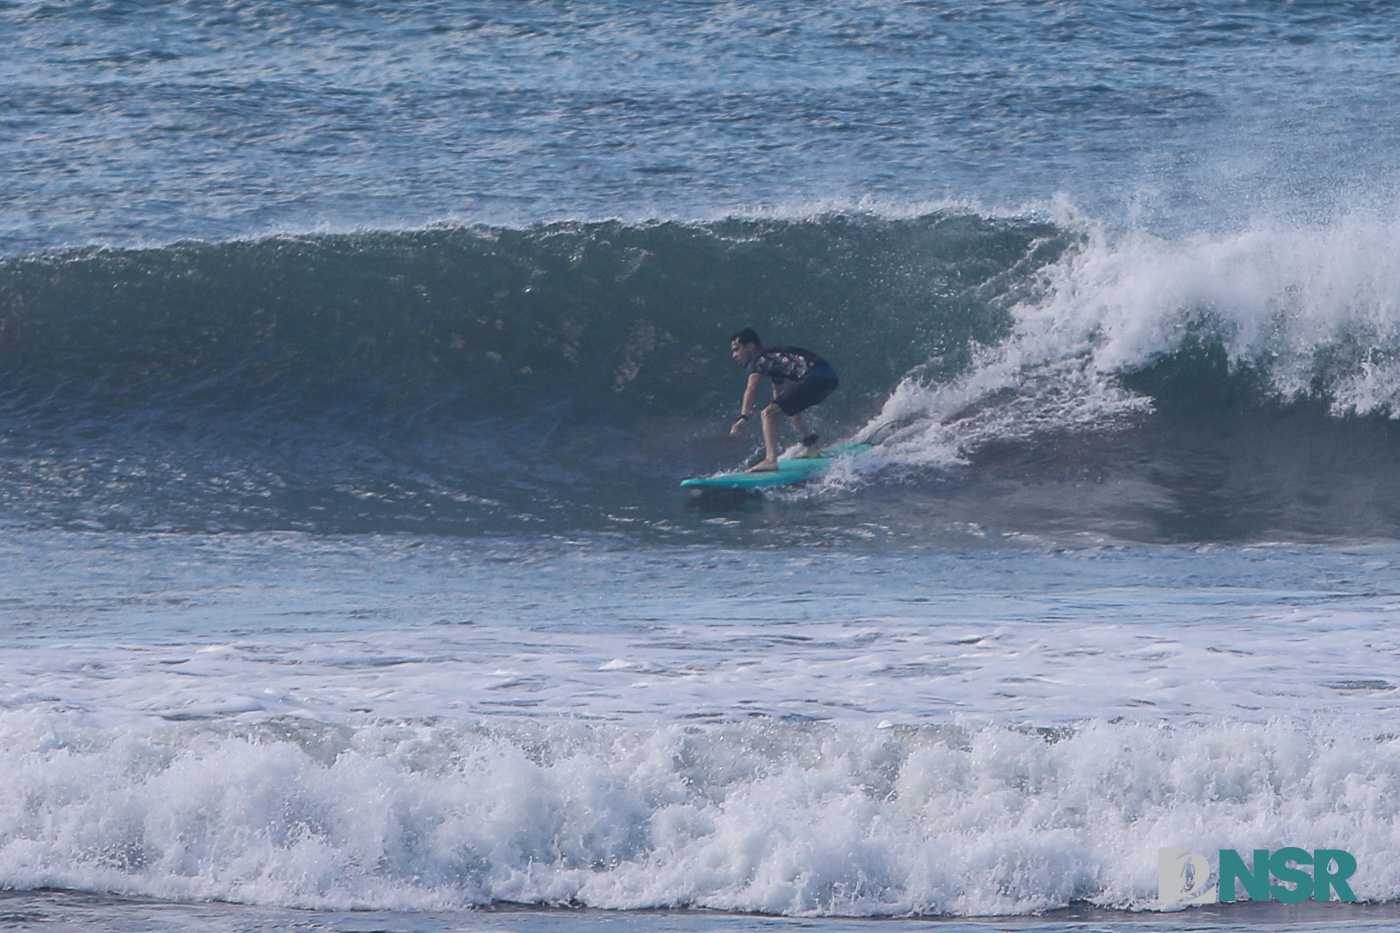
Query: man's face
point(744, 352)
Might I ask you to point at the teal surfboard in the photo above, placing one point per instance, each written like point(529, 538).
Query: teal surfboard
point(790, 470)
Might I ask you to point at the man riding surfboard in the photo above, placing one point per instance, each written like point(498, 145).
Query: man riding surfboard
point(812, 380)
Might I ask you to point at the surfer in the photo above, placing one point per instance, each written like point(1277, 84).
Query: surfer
point(812, 378)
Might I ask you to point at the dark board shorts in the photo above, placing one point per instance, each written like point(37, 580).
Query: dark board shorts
point(819, 382)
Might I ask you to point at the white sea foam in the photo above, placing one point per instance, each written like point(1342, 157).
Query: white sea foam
point(966, 818)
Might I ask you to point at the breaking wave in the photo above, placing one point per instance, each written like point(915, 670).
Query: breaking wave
point(478, 379)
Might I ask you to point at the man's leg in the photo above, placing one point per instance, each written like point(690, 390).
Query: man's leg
point(808, 449)
point(771, 414)
point(796, 401)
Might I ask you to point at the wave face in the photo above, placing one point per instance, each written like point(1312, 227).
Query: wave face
point(1019, 373)
point(447, 376)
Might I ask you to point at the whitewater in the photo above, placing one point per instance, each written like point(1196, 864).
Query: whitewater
point(906, 738)
point(351, 355)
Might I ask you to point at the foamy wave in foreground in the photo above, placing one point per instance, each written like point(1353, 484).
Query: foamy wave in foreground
point(763, 816)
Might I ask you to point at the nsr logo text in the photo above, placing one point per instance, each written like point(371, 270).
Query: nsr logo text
point(1182, 876)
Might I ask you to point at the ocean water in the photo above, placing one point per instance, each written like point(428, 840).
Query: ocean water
point(351, 354)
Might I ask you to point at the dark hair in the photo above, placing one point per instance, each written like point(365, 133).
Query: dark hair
point(747, 336)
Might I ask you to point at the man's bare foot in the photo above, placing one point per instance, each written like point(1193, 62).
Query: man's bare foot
point(809, 453)
point(763, 466)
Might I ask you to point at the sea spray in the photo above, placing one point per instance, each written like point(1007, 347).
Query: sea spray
point(1295, 314)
